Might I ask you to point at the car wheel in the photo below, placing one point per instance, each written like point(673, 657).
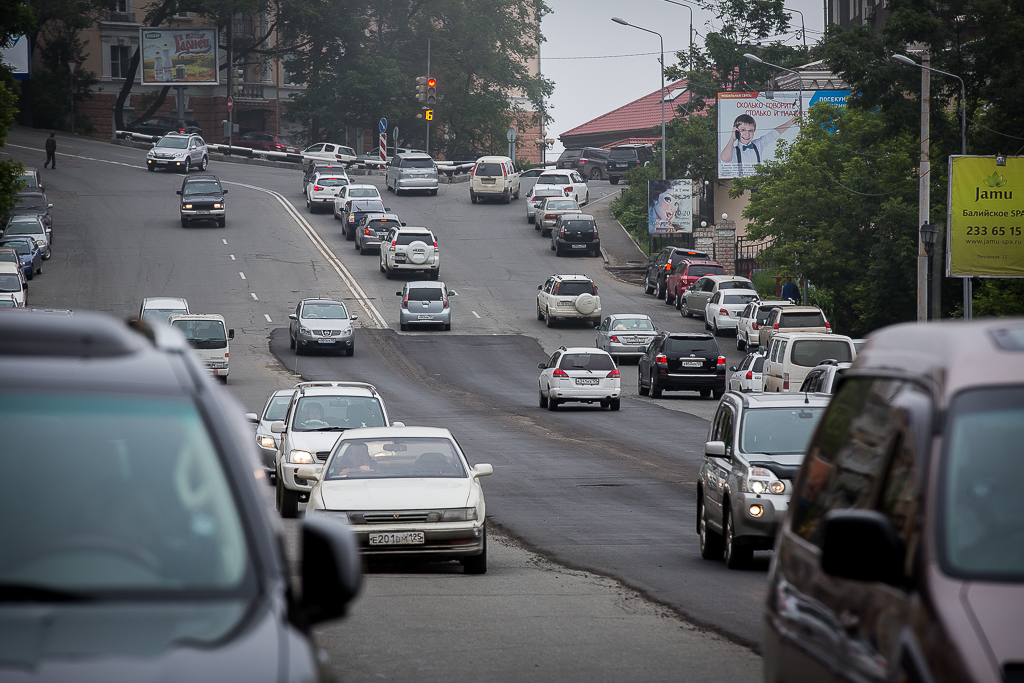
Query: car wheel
point(388, 272)
point(355, 245)
point(404, 327)
point(507, 199)
point(678, 302)
point(710, 541)
point(472, 196)
point(530, 219)
point(558, 252)
point(39, 270)
point(542, 401)
point(704, 393)
point(223, 379)
point(188, 165)
point(552, 403)
point(398, 193)
point(595, 174)
point(655, 389)
point(309, 205)
point(351, 351)
point(548, 320)
point(707, 325)
point(640, 388)
point(477, 564)
point(740, 344)
point(381, 264)
point(362, 251)
point(184, 222)
point(221, 222)
point(447, 327)
point(433, 193)
point(31, 274)
point(151, 167)
point(717, 394)
point(287, 501)
point(540, 316)
point(669, 298)
point(615, 404)
point(435, 274)
point(737, 554)
point(659, 292)
point(684, 310)
point(647, 284)
point(714, 326)
point(204, 163)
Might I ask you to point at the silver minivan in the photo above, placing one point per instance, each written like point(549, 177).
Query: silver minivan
point(411, 171)
point(426, 303)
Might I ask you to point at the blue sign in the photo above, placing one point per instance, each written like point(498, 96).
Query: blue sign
point(383, 125)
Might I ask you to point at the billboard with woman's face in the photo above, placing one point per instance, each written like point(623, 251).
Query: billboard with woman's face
point(669, 206)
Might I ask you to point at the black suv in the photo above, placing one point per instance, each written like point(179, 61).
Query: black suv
point(663, 264)
point(156, 551)
point(575, 232)
point(202, 199)
point(681, 361)
point(624, 157)
point(569, 158)
point(589, 162)
point(162, 125)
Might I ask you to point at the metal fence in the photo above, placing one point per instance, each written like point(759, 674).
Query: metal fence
point(747, 252)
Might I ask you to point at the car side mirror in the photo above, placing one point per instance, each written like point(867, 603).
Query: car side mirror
point(387, 208)
point(714, 448)
point(733, 369)
point(540, 286)
point(177, 192)
point(452, 292)
point(398, 293)
point(292, 316)
point(223, 191)
point(862, 545)
point(482, 470)
point(231, 334)
point(404, 224)
point(353, 317)
point(252, 417)
point(277, 427)
point(642, 349)
point(542, 365)
point(49, 206)
point(331, 570)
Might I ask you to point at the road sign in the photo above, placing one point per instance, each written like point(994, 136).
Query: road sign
point(72, 65)
point(429, 114)
point(382, 125)
point(231, 103)
point(511, 135)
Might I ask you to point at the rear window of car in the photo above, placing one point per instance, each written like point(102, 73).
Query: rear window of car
point(357, 192)
point(489, 169)
point(802, 320)
point(586, 361)
point(701, 271)
point(542, 192)
point(425, 294)
point(202, 187)
point(764, 313)
point(554, 180)
point(418, 163)
point(381, 223)
point(561, 205)
point(758, 364)
point(810, 352)
point(623, 154)
point(738, 298)
point(368, 207)
point(736, 284)
point(575, 288)
point(578, 225)
point(332, 182)
point(406, 239)
point(687, 346)
point(20, 246)
point(29, 180)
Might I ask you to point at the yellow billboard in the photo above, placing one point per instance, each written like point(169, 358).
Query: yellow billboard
point(986, 217)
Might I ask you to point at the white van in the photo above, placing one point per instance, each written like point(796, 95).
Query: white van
point(791, 356)
point(12, 282)
point(209, 336)
point(494, 178)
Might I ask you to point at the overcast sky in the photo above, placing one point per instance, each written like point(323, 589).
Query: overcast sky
point(586, 88)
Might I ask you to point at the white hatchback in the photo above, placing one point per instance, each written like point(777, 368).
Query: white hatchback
point(583, 374)
point(322, 189)
point(349, 192)
point(12, 283)
point(724, 307)
point(329, 152)
point(748, 377)
point(572, 183)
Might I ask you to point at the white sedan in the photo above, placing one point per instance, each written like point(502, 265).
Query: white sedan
point(407, 492)
point(350, 192)
point(572, 183)
point(329, 152)
point(724, 307)
point(584, 375)
point(536, 196)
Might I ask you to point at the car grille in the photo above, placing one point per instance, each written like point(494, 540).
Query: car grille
point(202, 206)
point(322, 455)
point(327, 333)
point(389, 517)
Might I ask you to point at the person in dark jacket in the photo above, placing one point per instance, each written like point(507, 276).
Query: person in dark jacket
point(51, 152)
point(791, 291)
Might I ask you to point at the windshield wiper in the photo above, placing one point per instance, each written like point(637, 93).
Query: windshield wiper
point(327, 429)
point(14, 592)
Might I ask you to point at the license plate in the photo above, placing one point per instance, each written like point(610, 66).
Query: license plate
point(587, 382)
point(328, 341)
point(620, 166)
point(579, 246)
point(424, 317)
point(398, 538)
point(488, 181)
point(399, 259)
point(565, 303)
point(201, 212)
point(692, 364)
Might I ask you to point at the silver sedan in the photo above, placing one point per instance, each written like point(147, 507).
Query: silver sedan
point(622, 334)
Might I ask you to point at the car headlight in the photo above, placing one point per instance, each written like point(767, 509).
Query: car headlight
point(458, 515)
point(218, 206)
point(346, 332)
point(266, 441)
point(759, 480)
point(40, 243)
point(304, 330)
point(300, 457)
point(188, 206)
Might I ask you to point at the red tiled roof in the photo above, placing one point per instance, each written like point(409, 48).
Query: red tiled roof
point(638, 114)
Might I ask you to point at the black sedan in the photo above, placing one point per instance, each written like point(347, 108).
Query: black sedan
point(32, 204)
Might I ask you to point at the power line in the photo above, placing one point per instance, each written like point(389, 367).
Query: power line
point(635, 54)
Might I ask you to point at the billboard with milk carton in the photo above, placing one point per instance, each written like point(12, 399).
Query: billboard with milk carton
point(179, 56)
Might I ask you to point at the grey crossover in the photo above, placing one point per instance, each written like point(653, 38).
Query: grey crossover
point(321, 324)
point(426, 303)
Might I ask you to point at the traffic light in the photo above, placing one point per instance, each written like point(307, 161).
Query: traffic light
point(431, 91)
point(421, 88)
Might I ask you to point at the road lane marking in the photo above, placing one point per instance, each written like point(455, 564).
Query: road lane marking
point(253, 294)
point(375, 318)
point(476, 314)
point(268, 318)
point(232, 257)
point(241, 275)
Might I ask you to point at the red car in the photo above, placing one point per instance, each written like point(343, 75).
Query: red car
point(267, 142)
point(685, 274)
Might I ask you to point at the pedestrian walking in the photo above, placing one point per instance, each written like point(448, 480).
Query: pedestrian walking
point(51, 152)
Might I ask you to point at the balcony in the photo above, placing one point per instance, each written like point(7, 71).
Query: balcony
point(121, 17)
point(248, 92)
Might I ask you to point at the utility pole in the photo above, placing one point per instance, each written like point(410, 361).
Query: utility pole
point(924, 200)
point(231, 74)
point(71, 89)
point(427, 147)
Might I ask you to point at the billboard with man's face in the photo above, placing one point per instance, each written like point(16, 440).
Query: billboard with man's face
point(669, 206)
point(750, 124)
point(179, 55)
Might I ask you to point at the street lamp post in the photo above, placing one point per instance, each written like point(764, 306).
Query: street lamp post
point(928, 234)
point(903, 59)
point(617, 20)
point(689, 57)
point(800, 79)
point(803, 26)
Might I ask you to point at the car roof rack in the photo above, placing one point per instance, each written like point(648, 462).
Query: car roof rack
point(302, 386)
point(829, 361)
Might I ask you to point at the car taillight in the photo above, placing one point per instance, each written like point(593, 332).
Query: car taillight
point(583, 161)
point(338, 156)
point(595, 231)
point(549, 216)
point(504, 172)
point(435, 244)
point(785, 381)
point(828, 327)
point(776, 326)
point(722, 311)
point(278, 146)
point(668, 266)
point(559, 372)
point(405, 301)
point(367, 232)
point(567, 191)
point(561, 231)
point(661, 359)
point(721, 360)
point(317, 188)
point(615, 339)
point(445, 300)
point(755, 326)
point(473, 172)
point(750, 374)
point(394, 243)
point(613, 373)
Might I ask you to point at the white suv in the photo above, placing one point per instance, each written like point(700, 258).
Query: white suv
point(317, 415)
point(410, 249)
point(584, 374)
point(568, 297)
point(494, 178)
point(323, 188)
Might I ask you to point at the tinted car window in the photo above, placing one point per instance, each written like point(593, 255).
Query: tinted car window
point(21, 246)
point(554, 180)
point(203, 334)
point(426, 294)
point(278, 408)
point(736, 284)
point(578, 225)
point(738, 298)
point(574, 288)
point(368, 207)
point(687, 346)
point(24, 228)
point(418, 163)
point(802, 320)
point(406, 239)
point(629, 324)
point(201, 187)
point(623, 154)
point(699, 271)
point(764, 313)
point(357, 192)
point(380, 224)
point(30, 202)
point(561, 205)
point(586, 361)
point(29, 180)
point(332, 182)
point(336, 413)
point(810, 352)
point(490, 169)
point(9, 282)
point(759, 364)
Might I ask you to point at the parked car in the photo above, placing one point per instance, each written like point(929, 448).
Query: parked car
point(749, 376)
point(319, 323)
point(318, 414)
point(330, 153)
point(372, 229)
point(793, 319)
point(323, 189)
point(352, 191)
point(494, 177)
point(622, 334)
point(267, 142)
point(180, 152)
point(31, 180)
point(209, 335)
point(579, 375)
point(12, 283)
point(10, 300)
point(153, 557)
point(621, 158)
point(754, 448)
point(748, 326)
point(684, 273)
point(724, 307)
point(569, 158)
point(202, 199)
point(661, 266)
point(572, 184)
point(568, 297)
point(791, 355)
point(549, 211)
point(24, 252)
point(589, 162)
point(695, 299)
point(426, 303)
point(161, 308)
point(409, 249)
point(33, 228)
point(275, 409)
point(536, 196)
point(411, 171)
point(681, 361)
point(382, 480)
point(355, 210)
point(32, 204)
point(823, 379)
point(162, 125)
point(899, 557)
point(575, 233)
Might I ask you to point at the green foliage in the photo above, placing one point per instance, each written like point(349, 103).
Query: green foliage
point(630, 207)
point(823, 299)
point(10, 171)
point(998, 298)
point(764, 281)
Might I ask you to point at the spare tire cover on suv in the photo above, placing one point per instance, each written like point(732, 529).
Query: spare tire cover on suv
point(586, 304)
point(417, 252)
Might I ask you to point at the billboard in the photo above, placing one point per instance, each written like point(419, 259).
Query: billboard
point(179, 55)
point(986, 217)
point(669, 206)
point(18, 57)
point(750, 124)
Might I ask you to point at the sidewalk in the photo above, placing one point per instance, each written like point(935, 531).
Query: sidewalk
point(623, 258)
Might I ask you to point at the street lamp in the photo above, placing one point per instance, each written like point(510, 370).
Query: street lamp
point(803, 27)
point(689, 56)
point(617, 20)
point(800, 78)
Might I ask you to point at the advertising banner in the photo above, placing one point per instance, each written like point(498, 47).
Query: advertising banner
point(17, 57)
point(179, 55)
point(986, 217)
point(750, 124)
point(669, 206)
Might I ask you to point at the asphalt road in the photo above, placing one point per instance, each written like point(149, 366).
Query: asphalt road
point(611, 493)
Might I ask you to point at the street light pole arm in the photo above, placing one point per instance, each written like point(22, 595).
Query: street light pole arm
point(902, 59)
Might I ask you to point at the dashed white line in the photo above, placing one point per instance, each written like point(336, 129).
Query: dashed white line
point(476, 314)
point(223, 240)
point(241, 275)
point(232, 257)
point(253, 295)
point(268, 318)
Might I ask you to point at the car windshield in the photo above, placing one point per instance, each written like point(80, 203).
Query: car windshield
point(812, 319)
point(623, 154)
point(700, 271)
point(575, 288)
point(684, 347)
point(33, 202)
point(161, 314)
point(336, 413)
point(173, 143)
point(203, 334)
point(738, 298)
point(561, 205)
point(418, 163)
point(542, 192)
point(587, 361)
point(20, 246)
point(395, 458)
point(736, 284)
point(632, 324)
point(325, 311)
point(201, 187)
point(29, 180)
point(9, 282)
point(405, 239)
point(277, 409)
point(357, 192)
point(332, 182)
point(810, 352)
point(24, 228)
point(381, 223)
point(136, 498)
point(426, 294)
point(981, 529)
point(778, 431)
point(489, 169)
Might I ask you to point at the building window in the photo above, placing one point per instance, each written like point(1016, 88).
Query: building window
point(288, 69)
point(120, 59)
point(119, 6)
